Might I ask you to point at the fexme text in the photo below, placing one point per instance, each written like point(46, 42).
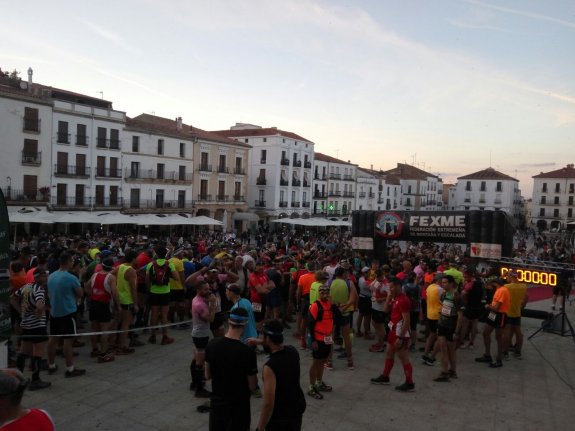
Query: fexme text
point(437, 221)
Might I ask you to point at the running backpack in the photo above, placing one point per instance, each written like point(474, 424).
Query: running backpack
point(160, 275)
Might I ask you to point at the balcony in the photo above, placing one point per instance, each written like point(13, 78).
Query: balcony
point(151, 204)
point(371, 195)
point(283, 204)
point(348, 178)
point(108, 173)
point(204, 167)
point(319, 195)
point(222, 198)
point(284, 182)
point(380, 200)
point(153, 176)
point(239, 198)
point(306, 204)
point(112, 144)
point(261, 181)
point(284, 162)
point(295, 204)
point(260, 204)
point(336, 193)
point(71, 171)
point(63, 138)
point(263, 161)
point(204, 198)
point(348, 194)
point(82, 140)
point(295, 183)
point(319, 212)
point(306, 184)
point(108, 202)
point(32, 159)
point(31, 125)
point(24, 196)
point(319, 177)
point(76, 202)
point(467, 200)
point(307, 165)
point(223, 170)
point(335, 176)
point(362, 195)
point(239, 171)
point(297, 163)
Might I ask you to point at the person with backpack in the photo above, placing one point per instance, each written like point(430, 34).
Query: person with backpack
point(320, 325)
point(158, 274)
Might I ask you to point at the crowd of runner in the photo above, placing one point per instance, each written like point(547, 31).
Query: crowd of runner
point(425, 298)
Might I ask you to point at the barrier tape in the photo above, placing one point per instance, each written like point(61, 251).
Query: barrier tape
point(119, 331)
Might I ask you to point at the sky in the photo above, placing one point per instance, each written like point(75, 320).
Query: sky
point(450, 86)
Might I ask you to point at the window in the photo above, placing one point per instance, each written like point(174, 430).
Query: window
point(181, 198)
point(570, 200)
point(408, 202)
point(159, 199)
point(99, 194)
point(239, 165)
point(80, 194)
point(101, 166)
point(135, 144)
point(556, 200)
point(81, 138)
point(115, 139)
point(556, 212)
point(135, 170)
point(499, 187)
point(63, 136)
point(544, 188)
point(135, 198)
point(557, 187)
point(468, 186)
point(204, 189)
point(265, 139)
point(482, 188)
point(408, 190)
point(281, 196)
point(264, 156)
point(160, 171)
point(221, 190)
point(31, 120)
point(293, 196)
point(102, 141)
point(222, 168)
point(182, 149)
point(182, 173)
point(572, 188)
point(31, 187)
point(543, 200)
point(237, 190)
point(160, 147)
point(204, 160)
point(570, 212)
point(114, 195)
point(541, 212)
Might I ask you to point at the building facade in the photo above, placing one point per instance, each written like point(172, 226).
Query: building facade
point(340, 185)
point(420, 190)
point(280, 170)
point(553, 199)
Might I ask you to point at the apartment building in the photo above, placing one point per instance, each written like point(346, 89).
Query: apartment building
point(70, 147)
point(340, 186)
point(420, 190)
point(184, 169)
point(553, 198)
point(488, 189)
point(280, 170)
point(367, 187)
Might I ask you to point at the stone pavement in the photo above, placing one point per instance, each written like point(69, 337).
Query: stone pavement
point(149, 391)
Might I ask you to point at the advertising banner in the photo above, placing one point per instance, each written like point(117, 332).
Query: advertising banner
point(450, 226)
point(4, 262)
point(487, 251)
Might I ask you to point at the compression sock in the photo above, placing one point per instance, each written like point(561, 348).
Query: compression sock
point(408, 370)
point(388, 366)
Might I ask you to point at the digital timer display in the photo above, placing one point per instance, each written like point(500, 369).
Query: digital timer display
point(532, 276)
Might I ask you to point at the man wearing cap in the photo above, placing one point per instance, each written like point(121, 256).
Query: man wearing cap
point(64, 291)
point(232, 367)
point(517, 300)
point(31, 300)
point(495, 320)
point(320, 325)
point(283, 400)
point(14, 417)
point(203, 313)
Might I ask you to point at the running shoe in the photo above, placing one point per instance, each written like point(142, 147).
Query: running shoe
point(496, 364)
point(443, 377)
point(39, 384)
point(380, 380)
point(105, 358)
point(322, 387)
point(313, 392)
point(428, 360)
point(75, 373)
point(376, 348)
point(452, 374)
point(405, 387)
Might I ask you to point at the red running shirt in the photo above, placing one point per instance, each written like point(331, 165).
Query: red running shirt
point(37, 420)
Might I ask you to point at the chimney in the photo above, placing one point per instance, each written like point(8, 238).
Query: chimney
point(179, 123)
point(30, 73)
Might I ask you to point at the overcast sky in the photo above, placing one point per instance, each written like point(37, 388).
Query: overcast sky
point(452, 86)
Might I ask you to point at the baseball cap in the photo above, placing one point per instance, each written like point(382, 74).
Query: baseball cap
point(365, 269)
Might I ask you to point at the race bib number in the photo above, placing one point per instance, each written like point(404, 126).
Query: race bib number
point(328, 339)
point(446, 309)
point(492, 316)
point(257, 307)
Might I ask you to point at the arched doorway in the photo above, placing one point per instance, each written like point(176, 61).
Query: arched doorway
point(203, 212)
point(541, 225)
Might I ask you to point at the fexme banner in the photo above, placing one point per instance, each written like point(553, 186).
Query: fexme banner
point(423, 226)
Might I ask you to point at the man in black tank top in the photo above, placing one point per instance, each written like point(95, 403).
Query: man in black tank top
point(283, 400)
